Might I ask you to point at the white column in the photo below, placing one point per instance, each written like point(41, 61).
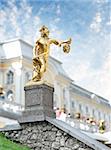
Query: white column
point(1, 76)
point(57, 91)
point(17, 86)
point(67, 99)
point(22, 95)
point(17, 66)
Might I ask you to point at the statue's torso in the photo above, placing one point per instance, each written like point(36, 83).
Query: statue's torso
point(43, 46)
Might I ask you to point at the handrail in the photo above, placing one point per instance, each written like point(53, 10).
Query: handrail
point(11, 106)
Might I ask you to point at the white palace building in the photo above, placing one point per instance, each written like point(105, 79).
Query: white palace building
point(16, 71)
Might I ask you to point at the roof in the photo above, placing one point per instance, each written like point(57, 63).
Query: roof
point(15, 39)
point(88, 94)
point(15, 48)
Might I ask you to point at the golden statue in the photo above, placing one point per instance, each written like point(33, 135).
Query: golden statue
point(2, 93)
point(41, 52)
point(102, 126)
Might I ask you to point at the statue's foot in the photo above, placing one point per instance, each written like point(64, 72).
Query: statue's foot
point(35, 79)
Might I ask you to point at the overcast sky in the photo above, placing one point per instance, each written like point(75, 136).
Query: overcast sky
point(87, 22)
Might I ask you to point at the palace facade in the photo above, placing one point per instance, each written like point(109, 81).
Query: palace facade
point(16, 71)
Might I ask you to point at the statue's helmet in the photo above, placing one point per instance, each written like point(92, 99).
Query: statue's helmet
point(44, 30)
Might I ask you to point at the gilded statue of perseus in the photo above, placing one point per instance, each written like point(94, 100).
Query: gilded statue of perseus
point(41, 52)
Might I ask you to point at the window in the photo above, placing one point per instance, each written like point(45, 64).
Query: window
point(93, 113)
point(80, 108)
point(10, 75)
point(109, 118)
point(72, 104)
point(99, 115)
point(87, 110)
point(10, 95)
point(104, 116)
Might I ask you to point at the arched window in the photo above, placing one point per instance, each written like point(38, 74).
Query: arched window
point(93, 113)
point(10, 76)
point(10, 95)
point(87, 110)
point(72, 104)
point(80, 107)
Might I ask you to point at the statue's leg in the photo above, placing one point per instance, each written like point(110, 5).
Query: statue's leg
point(43, 66)
point(36, 70)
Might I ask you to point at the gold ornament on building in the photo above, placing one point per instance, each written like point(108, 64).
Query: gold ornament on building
point(41, 52)
point(1, 91)
point(102, 126)
point(77, 115)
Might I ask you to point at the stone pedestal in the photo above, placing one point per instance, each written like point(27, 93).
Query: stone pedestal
point(38, 103)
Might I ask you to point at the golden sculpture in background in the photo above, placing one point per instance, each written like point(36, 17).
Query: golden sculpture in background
point(41, 52)
point(1, 91)
point(102, 126)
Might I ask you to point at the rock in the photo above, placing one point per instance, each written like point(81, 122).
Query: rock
point(69, 142)
point(59, 133)
point(39, 137)
point(58, 138)
point(54, 129)
point(56, 145)
point(62, 141)
point(29, 129)
point(47, 143)
point(75, 147)
point(65, 148)
point(29, 141)
point(34, 136)
point(24, 132)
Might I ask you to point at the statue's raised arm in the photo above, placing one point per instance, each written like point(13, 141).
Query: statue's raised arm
point(41, 52)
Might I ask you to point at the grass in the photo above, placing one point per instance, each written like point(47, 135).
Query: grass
point(6, 144)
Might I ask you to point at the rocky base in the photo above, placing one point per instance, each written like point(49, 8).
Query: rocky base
point(44, 136)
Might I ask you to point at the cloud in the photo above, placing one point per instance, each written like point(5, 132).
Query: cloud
point(96, 24)
point(95, 80)
point(20, 23)
point(57, 20)
point(58, 10)
point(101, 79)
point(101, 1)
point(23, 23)
point(41, 10)
point(2, 17)
point(89, 63)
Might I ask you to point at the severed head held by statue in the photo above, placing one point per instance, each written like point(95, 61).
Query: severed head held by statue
point(41, 52)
